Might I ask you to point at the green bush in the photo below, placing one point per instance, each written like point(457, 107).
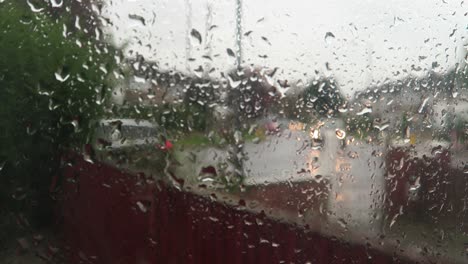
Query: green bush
point(51, 86)
point(359, 126)
point(323, 96)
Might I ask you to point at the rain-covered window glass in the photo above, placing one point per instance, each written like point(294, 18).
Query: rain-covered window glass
point(234, 131)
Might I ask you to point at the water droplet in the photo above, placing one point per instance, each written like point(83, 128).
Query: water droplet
point(423, 104)
point(342, 223)
point(394, 219)
point(2, 165)
point(329, 37)
point(353, 154)
point(60, 77)
point(213, 197)
point(206, 179)
point(233, 83)
point(139, 79)
point(318, 178)
point(56, 3)
point(453, 32)
point(238, 137)
point(266, 40)
point(340, 134)
point(343, 109)
point(196, 36)
point(382, 127)
point(33, 8)
point(142, 207)
point(30, 131)
point(76, 125)
point(465, 169)
point(137, 18)
point(88, 158)
point(53, 105)
point(230, 52)
point(116, 134)
point(364, 111)
point(198, 71)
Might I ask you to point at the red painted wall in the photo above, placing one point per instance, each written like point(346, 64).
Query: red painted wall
point(102, 223)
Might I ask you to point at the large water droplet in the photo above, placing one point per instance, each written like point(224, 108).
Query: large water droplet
point(33, 8)
point(364, 111)
point(238, 136)
point(142, 207)
point(342, 223)
point(230, 52)
point(61, 77)
point(116, 134)
point(53, 105)
point(465, 169)
point(329, 37)
point(56, 3)
point(139, 79)
point(394, 219)
point(198, 71)
point(265, 39)
point(2, 165)
point(196, 36)
point(423, 104)
point(233, 83)
point(382, 127)
point(137, 18)
point(340, 134)
point(76, 125)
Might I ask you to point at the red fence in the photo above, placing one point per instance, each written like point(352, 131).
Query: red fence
point(443, 189)
point(118, 218)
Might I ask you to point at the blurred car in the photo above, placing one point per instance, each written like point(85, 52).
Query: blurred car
point(123, 133)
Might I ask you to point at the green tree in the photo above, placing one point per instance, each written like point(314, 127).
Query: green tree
point(52, 84)
point(250, 95)
point(323, 96)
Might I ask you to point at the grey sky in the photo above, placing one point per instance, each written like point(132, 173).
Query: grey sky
point(374, 40)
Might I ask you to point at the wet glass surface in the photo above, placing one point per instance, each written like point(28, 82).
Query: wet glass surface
point(347, 120)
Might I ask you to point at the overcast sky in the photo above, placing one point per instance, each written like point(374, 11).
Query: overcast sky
point(373, 40)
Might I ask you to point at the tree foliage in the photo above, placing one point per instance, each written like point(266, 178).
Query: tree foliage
point(323, 96)
point(52, 84)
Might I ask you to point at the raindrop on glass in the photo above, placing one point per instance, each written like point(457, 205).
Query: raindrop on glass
point(196, 36)
point(230, 53)
point(340, 134)
point(329, 38)
point(61, 77)
point(33, 8)
point(138, 18)
point(56, 3)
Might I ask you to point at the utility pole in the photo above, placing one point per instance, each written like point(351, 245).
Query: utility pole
point(188, 45)
point(239, 32)
point(208, 25)
point(370, 63)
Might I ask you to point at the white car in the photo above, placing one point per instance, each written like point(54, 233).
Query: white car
point(120, 133)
